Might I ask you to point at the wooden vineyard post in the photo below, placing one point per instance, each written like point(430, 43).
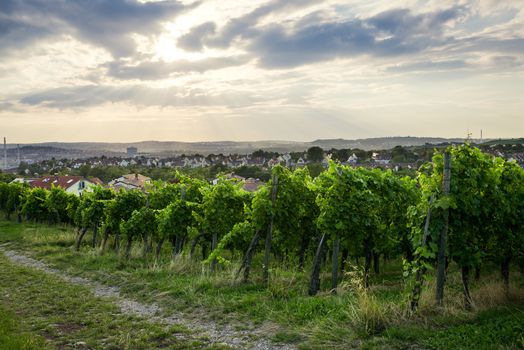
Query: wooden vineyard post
point(417, 288)
point(246, 262)
point(314, 284)
point(267, 253)
point(214, 244)
point(441, 257)
point(334, 262)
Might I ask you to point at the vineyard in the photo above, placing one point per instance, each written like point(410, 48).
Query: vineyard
point(338, 232)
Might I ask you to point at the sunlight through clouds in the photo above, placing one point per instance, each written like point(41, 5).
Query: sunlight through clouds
point(297, 69)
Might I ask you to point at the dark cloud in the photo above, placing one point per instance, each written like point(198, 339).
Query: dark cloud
point(316, 38)
point(403, 23)
point(389, 33)
point(20, 32)
point(149, 70)
point(95, 95)
point(192, 41)
point(105, 23)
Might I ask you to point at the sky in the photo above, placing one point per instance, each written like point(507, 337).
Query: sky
point(207, 70)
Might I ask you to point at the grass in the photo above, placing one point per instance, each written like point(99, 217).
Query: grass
point(354, 318)
point(13, 337)
point(59, 315)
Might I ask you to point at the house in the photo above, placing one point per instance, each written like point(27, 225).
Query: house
point(380, 161)
point(273, 162)
point(353, 159)
point(300, 162)
point(22, 180)
point(251, 184)
point(326, 160)
point(130, 182)
point(229, 176)
point(71, 184)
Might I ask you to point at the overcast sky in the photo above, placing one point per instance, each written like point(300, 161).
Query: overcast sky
point(127, 70)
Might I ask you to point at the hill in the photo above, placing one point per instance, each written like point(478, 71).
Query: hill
point(168, 148)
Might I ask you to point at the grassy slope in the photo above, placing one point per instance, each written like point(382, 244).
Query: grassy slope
point(47, 308)
point(13, 337)
point(324, 321)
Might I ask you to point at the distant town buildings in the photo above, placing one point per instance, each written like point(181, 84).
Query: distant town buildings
point(132, 151)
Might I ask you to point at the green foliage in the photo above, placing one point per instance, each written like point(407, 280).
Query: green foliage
point(400, 154)
point(348, 206)
point(489, 328)
point(222, 207)
point(507, 225)
point(120, 209)
point(92, 206)
point(4, 194)
point(237, 237)
point(254, 172)
point(34, 204)
point(6, 177)
point(56, 203)
point(162, 194)
point(13, 195)
point(485, 209)
point(473, 182)
point(315, 154)
point(175, 219)
point(141, 222)
point(295, 209)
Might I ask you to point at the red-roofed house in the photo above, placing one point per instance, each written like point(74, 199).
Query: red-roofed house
point(71, 184)
point(130, 182)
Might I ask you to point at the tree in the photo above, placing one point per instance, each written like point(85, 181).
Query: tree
point(315, 154)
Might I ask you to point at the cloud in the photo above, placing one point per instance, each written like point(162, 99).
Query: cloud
point(108, 24)
point(192, 41)
point(317, 38)
point(391, 33)
point(243, 26)
point(142, 96)
point(429, 66)
point(150, 70)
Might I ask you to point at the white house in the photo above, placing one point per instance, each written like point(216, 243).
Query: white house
point(71, 184)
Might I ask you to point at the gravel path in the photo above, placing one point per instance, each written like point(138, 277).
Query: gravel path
point(248, 339)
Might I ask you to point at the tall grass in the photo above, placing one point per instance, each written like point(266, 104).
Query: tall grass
point(487, 293)
point(369, 314)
